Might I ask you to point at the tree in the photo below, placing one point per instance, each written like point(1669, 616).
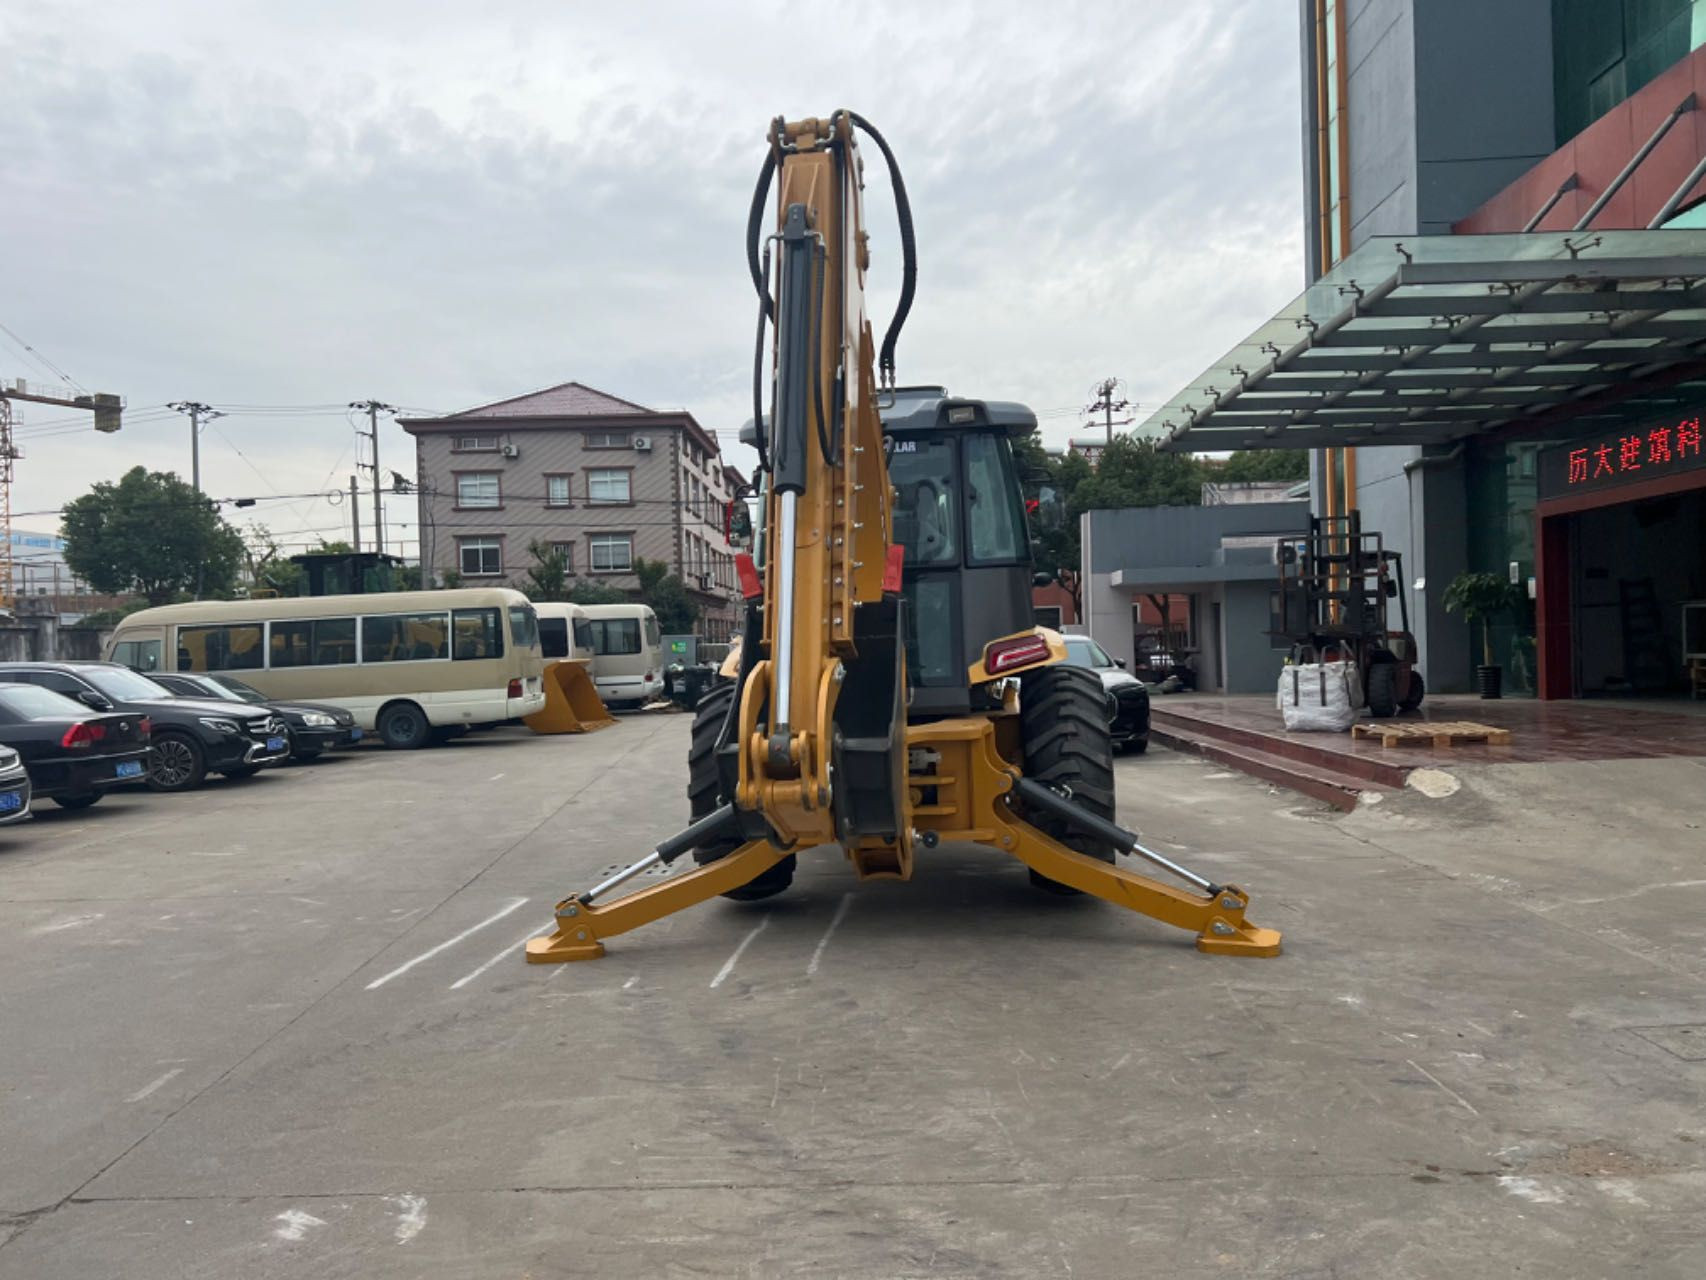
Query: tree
point(667, 594)
point(269, 568)
point(1252, 465)
point(151, 534)
point(548, 579)
point(1135, 473)
point(408, 577)
point(596, 593)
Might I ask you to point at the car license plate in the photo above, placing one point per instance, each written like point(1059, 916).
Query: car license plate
point(275, 744)
point(355, 734)
point(130, 769)
point(10, 800)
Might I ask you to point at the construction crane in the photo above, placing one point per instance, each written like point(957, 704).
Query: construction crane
point(108, 409)
point(890, 692)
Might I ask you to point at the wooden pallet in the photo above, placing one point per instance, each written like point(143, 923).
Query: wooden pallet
point(1433, 733)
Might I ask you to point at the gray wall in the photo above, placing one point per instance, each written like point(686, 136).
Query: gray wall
point(1139, 538)
point(1252, 663)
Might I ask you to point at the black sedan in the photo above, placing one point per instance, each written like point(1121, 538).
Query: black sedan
point(313, 727)
point(72, 754)
point(1128, 697)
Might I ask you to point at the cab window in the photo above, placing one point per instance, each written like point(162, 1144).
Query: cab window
point(922, 473)
point(995, 520)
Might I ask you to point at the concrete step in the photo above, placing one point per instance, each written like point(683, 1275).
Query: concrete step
point(1342, 791)
point(1334, 760)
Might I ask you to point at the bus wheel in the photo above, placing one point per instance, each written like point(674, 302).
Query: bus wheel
point(404, 726)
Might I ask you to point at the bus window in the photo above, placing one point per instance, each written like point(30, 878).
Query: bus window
point(523, 626)
point(139, 655)
point(233, 648)
point(615, 636)
point(583, 634)
point(654, 637)
point(478, 634)
point(317, 642)
point(554, 637)
point(404, 637)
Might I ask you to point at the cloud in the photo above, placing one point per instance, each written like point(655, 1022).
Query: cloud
point(440, 205)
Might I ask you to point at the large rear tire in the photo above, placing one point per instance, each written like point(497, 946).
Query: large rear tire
point(703, 786)
point(1414, 695)
point(1064, 718)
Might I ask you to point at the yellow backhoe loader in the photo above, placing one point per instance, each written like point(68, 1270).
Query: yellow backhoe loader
point(891, 691)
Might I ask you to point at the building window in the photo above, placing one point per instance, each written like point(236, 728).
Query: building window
point(607, 486)
point(557, 491)
point(567, 551)
point(478, 489)
point(607, 440)
point(481, 557)
point(475, 444)
point(611, 552)
point(1047, 615)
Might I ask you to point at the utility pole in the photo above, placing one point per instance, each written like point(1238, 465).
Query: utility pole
point(197, 411)
point(373, 408)
point(354, 515)
point(1105, 404)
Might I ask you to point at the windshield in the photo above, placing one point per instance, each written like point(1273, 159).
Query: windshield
point(238, 691)
point(124, 686)
point(1087, 653)
point(30, 702)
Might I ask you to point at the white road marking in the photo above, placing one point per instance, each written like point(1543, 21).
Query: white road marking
point(70, 922)
point(630, 982)
point(147, 1089)
point(1450, 1093)
point(520, 942)
point(446, 945)
point(294, 1224)
point(1530, 1189)
point(835, 921)
point(729, 964)
point(411, 1216)
point(494, 777)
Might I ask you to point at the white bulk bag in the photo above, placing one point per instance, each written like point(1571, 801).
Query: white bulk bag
point(1320, 696)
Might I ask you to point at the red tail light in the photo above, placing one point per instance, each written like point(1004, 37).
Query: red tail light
point(1004, 655)
point(514, 690)
point(83, 735)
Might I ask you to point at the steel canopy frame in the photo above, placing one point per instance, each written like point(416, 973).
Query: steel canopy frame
point(1459, 336)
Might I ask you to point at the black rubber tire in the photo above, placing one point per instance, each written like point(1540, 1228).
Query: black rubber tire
point(77, 802)
point(1414, 695)
point(703, 786)
point(1383, 690)
point(241, 771)
point(176, 762)
point(1137, 746)
point(404, 726)
point(1063, 717)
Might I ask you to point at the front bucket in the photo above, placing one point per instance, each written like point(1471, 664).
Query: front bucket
point(572, 704)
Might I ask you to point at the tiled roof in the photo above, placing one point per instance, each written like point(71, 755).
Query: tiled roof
point(566, 400)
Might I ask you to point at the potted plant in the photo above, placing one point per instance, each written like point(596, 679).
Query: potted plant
point(1480, 597)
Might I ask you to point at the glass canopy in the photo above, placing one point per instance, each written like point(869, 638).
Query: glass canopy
point(1431, 339)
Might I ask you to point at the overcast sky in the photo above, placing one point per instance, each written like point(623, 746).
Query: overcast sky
point(438, 205)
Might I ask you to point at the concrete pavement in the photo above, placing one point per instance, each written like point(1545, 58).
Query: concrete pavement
point(282, 1028)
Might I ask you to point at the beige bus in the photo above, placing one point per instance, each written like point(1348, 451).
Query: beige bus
point(408, 664)
point(565, 632)
point(628, 666)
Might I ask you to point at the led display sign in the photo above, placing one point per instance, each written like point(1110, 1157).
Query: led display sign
point(1625, 456)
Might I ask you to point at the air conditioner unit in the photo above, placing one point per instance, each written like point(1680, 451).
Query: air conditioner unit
point(510, 451)
point(642, 444)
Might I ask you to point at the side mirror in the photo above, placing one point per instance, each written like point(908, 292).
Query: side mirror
point(94, 701)
point(1042, 578)
point(1120, 663)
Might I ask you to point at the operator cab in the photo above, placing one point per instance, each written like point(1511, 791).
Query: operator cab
point(959, 514)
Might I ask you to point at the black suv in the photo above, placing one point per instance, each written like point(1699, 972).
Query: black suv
point(191, 737)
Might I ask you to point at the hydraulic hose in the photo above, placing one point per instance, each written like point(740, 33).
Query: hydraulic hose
point(908, 249)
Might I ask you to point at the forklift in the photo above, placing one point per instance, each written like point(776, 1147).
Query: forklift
point(1334, 585)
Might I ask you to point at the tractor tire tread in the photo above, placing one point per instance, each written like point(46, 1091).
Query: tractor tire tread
point(1064, 724)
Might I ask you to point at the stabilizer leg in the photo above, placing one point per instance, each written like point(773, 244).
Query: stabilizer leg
point(581, 925)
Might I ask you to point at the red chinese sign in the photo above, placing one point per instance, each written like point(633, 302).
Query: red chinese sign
point(1626, 456)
